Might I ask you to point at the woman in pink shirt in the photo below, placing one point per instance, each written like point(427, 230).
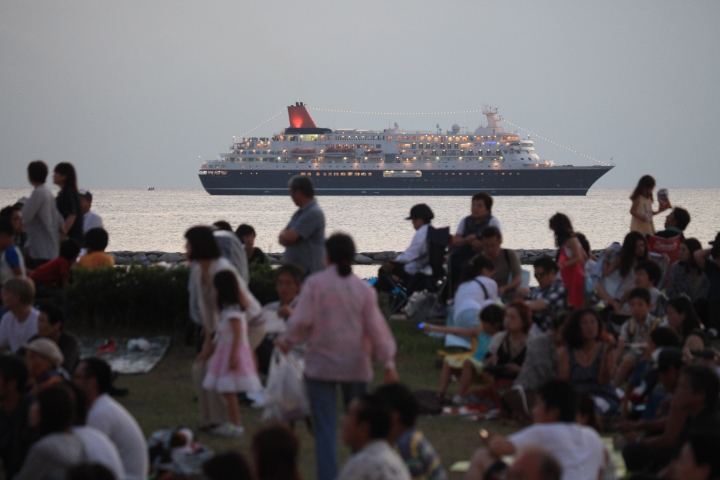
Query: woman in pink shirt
point(337, 314)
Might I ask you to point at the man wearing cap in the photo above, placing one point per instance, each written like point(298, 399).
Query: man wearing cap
point(43, 359)
point(415, 260)
point(711, 267)
point(90, 218)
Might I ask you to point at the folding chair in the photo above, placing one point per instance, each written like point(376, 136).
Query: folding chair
point(438, 240)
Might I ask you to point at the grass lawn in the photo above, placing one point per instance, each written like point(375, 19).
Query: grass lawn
point(164, 398)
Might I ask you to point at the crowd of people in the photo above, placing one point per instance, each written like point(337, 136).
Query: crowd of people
point(621, 341)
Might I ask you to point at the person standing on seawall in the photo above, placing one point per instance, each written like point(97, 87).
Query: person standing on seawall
point(338, 315)
point(571, 259)
point(641, 209)
point(304, 236)
point(41, 217)
point(68, 202)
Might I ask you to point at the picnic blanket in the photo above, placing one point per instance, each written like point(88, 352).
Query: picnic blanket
point(126, 360)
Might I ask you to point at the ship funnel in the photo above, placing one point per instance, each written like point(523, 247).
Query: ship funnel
point(299, 116)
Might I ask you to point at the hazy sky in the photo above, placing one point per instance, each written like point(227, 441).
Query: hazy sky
point(133, 92)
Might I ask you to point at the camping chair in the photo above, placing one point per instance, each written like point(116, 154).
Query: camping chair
point(438, 240)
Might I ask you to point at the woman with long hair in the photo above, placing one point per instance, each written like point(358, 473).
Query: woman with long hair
point(586, 360)
point(684, 321)
point(571, 259)
point(337, 314)
point(68, 201)
point(203, 252)
point(642, 206)
point(618, 270)
point(686, 277)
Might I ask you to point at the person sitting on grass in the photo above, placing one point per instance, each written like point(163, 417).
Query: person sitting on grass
point(51, 323)
point(94, 377)
point(476, 289)
point(275, 451)
point(507, 353)
point(698, 458)
point(96, 241)
point(669, 365)
point(587, 361)
point(419, 455)
point(579, 449)
point(50, 278)
point(682, 318)
point(693, 406)
point(618, 269)
point(288, 280)
point(549, 299)
point(11, 258)
point(634, 334)
point(44, 359)
point(227, 466)
point(508, 270)
point(647, 276)
point(15, 404)
point(491, 322)
point(366, 428)
point(20, 322)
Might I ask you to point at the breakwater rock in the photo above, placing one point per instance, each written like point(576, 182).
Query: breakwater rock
point(527, 257)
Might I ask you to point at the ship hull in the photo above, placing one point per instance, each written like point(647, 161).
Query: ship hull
point(529, 182)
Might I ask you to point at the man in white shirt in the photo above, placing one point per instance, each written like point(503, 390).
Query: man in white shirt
point(105, 414)
point(20, 322)
point(415, 260)
point(366, 427)
point(579, 449)
point(90, 218)
point(41, 217)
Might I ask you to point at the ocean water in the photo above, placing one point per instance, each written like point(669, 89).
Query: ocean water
point(141, 220)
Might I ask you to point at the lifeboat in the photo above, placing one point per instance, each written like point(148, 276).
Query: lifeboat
point(373, 152)
point(302, 151)
point(343, 151)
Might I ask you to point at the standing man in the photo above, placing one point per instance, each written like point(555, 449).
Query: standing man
point(90, 218)
point(41, 217)
point(304, 236)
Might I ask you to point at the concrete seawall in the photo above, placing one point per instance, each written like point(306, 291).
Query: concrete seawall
point(527, 257)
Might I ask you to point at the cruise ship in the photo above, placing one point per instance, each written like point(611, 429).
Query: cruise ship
point(392, 162)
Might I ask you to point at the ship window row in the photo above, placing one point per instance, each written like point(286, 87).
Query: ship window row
point(337, 174)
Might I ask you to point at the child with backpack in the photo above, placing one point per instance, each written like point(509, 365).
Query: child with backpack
point(231, 368)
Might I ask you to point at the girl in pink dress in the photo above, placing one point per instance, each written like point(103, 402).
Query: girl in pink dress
point(571, 259)
point(231, 368)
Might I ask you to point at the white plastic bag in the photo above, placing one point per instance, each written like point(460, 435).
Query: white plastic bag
point(286, 396)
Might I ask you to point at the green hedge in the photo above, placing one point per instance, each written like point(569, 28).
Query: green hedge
point(144, 296)
point(136, 296)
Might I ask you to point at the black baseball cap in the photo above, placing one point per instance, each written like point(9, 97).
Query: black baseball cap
point(421, 211)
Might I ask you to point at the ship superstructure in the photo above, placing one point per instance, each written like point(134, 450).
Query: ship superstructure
point(392, 162)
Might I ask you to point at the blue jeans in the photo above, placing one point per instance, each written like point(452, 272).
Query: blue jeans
point(323, 399)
